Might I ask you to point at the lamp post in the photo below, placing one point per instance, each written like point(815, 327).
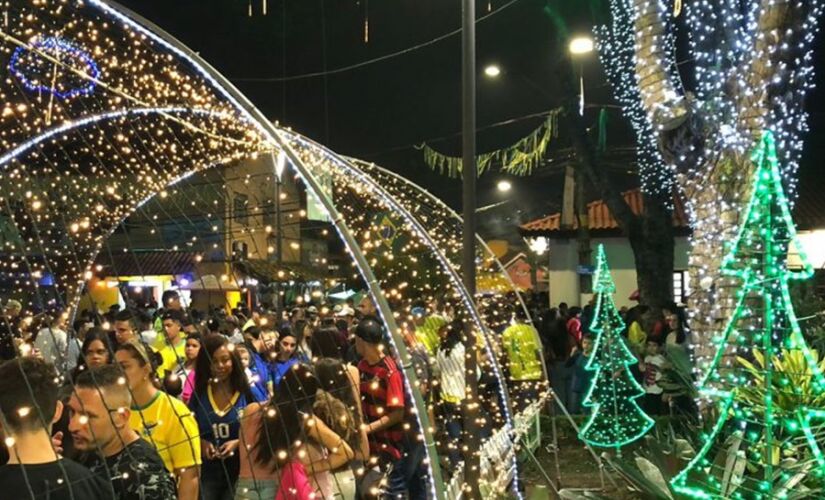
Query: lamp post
point(539, 246)
point(472, 459)
point(580, 46)
point(279, 163)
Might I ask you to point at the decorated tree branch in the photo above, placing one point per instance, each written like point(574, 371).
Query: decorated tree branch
point(762, 425)
point(616, 418)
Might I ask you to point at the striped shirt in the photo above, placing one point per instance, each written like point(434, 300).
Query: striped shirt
point(382, 391)
point(451, 368)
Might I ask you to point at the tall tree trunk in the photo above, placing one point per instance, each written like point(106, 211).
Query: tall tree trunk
point(762, 89)
point(652, 241)
point(715, 217)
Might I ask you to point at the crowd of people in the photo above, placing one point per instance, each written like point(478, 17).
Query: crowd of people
point(173, 402)
point(661, 346)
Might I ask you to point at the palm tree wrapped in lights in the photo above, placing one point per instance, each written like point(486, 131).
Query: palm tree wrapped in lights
point(773, 445)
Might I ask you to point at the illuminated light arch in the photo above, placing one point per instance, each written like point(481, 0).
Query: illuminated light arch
point(94, 119)
point(242, 131)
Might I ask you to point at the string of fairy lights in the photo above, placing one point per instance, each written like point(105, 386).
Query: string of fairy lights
point(616, 418)
point(753, 68)
point(444, 228)
point(400, 281)
point(766, 394)
point(616, 46)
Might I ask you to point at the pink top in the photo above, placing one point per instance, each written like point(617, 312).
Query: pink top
point(294, 483)
point(188, 386)
point(247, 439)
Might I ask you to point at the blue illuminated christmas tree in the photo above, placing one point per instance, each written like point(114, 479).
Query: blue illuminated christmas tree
point(616, 418)
point(763, 422)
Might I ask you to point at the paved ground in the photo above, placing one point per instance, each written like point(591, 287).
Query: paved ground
point(577, 469)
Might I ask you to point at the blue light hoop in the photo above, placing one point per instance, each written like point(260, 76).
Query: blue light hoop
point(61, 50)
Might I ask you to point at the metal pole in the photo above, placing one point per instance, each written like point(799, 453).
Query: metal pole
point(279, 254)
point(472, 455)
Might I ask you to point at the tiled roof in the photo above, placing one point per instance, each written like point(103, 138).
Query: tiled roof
point(600, 218)
point(151, 263)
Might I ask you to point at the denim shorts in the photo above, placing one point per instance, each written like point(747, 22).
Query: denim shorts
point(255, 489)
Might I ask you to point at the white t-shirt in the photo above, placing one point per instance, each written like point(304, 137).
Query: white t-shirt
point(149, 337)
point(53, 346)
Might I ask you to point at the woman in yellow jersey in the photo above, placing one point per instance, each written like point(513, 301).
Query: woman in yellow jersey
point(162, 420)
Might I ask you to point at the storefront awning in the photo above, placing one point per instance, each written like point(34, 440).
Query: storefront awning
point(269, 272)
point(146, 263)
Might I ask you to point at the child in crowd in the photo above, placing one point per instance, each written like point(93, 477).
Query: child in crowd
point(253, 378)
point(581, 376)
point(652, 367)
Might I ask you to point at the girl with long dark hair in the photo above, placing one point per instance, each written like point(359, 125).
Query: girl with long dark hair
point(276, 439)
point(220, 396)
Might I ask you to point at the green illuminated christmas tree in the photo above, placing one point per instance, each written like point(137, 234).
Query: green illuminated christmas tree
point(615, 418)
point(764, 378)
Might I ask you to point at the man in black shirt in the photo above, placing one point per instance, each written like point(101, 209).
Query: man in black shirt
point(28, 408)
point(99, 423)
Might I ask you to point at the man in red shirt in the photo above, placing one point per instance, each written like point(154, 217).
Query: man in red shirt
point(390, 428)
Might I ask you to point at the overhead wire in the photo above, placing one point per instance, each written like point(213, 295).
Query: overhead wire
point(368, 62)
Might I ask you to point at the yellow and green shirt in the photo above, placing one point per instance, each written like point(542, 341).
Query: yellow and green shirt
point(167, 424)
point(427, 333)
point(523, 352)
point(173, 357)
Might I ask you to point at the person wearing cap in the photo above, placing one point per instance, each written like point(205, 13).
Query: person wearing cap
point(345, 313)
point(384, 404)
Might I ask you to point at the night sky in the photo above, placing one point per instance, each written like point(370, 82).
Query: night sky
point(380, 111)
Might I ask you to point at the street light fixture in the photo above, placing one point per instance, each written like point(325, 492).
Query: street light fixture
point(538, 245)
point(280, 164)
point(492, 71)
point(581, 45)
point(504, 186)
